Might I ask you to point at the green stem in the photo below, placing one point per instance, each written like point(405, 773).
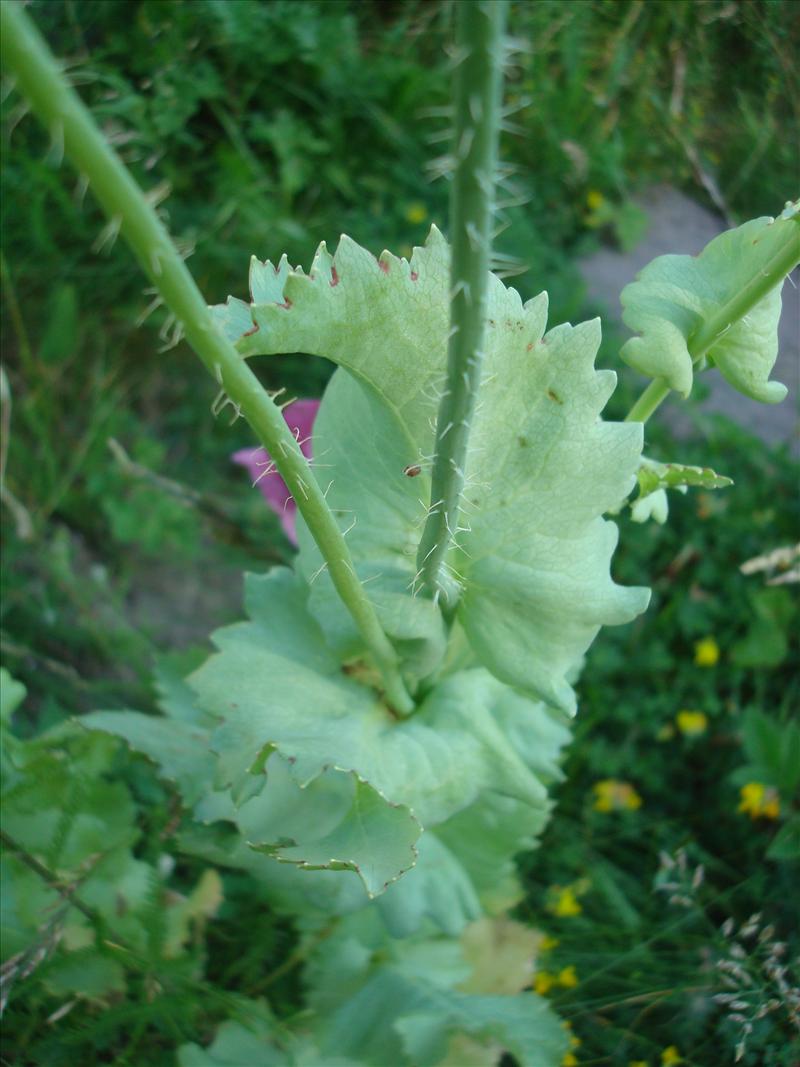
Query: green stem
point(26, 57)
point(67, 892)
point(654, 394)
point(477, 88)
point(709, 332)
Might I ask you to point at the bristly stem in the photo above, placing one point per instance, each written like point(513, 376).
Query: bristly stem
point(26, 57)
point(477, 88)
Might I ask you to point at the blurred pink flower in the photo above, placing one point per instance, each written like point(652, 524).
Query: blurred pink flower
point(300, 417)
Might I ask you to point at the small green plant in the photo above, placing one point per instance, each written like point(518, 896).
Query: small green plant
point(374, 745)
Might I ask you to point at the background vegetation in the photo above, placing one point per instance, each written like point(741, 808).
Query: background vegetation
point(265, 127)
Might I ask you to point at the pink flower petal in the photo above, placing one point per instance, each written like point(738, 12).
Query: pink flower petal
point(300, 417)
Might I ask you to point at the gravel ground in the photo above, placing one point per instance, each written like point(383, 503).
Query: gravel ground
point(677, 224)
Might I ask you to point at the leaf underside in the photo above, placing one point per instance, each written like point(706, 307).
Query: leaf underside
point(534, 553)
point(675, 296)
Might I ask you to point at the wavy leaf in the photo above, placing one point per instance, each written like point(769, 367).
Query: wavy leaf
point(388, 1001)
point(402, 1020)
point(437, 891)
point(295, 697)
point(336, 822)
point(312, 768)
point(542, 470)
point(676, 297)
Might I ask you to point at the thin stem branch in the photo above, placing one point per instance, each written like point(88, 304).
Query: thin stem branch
point(477, 88)
point(654, 394)
point(67, 892)
point(26, 56)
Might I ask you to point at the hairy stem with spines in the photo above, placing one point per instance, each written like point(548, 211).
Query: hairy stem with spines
point(27, 59)
point(477, 88)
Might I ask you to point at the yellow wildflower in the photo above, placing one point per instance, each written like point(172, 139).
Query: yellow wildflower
point(548, 943)
point(569, 1060)
point(543, 982)
point(759, 800)
point(706, 652)
point(416, 213)
point(567, 977)
point(692, 723)
point(611, 795)
point(670, 1055)
point(594, 198)
point(574, 1040)
point(566, 904)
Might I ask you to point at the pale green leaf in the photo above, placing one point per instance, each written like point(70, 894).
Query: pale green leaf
point(311, 767)
point(438, 890)
point(435, 763)
point(175, 697)
point(401, 1001)
point(486, 837)
point(335, 822)
point(256, 1039)
point(674, 297)
point(653, 476)
point(289, 889)
point(399, 1020)
point(542, 469)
